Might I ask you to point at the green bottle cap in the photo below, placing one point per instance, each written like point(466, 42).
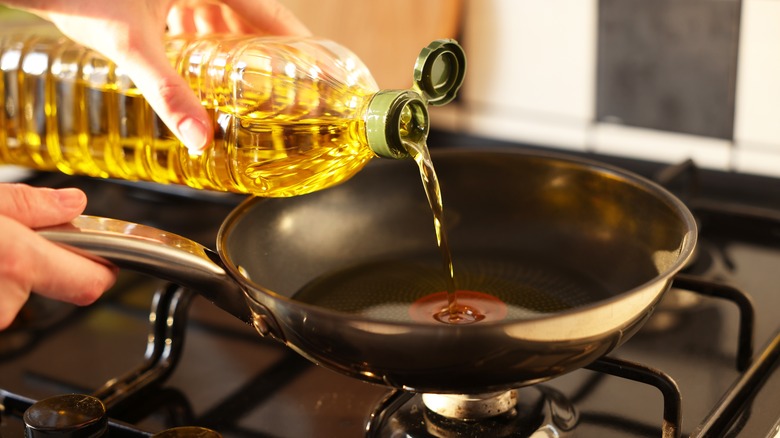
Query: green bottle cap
point(393, 118)
point(439, 71)
point(396, 118)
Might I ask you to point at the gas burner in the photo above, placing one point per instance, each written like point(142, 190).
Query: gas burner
point(81, 415)
point(69, 415)
point(528, 412)
point(471, 407)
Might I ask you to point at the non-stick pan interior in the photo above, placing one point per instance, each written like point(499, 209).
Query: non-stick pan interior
point(572, 255)
point(542, 233)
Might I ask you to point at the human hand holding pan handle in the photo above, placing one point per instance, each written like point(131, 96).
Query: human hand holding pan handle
point(601, 240)
point(155, 252)
point(29, 263)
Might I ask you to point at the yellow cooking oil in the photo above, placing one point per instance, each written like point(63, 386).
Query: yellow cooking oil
point(290, 115)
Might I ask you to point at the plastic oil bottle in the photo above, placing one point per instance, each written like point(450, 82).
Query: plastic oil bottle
point(291, 115)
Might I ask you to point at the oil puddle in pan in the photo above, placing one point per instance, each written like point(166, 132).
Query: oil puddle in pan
point(413, 289)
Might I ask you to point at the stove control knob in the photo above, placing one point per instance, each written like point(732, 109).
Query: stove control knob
point(66, 416)
point(187, 432)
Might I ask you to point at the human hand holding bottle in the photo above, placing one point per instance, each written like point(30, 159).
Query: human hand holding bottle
point(29, 262)
point(130, 33)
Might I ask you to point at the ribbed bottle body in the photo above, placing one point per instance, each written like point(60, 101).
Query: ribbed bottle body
point(288, 113)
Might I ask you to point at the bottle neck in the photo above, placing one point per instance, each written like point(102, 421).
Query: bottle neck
point(393, 119)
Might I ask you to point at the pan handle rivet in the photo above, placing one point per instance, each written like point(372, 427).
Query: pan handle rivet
point(261, 325)
point(267, 326)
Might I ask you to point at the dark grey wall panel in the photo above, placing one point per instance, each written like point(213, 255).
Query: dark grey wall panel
point(668, 64)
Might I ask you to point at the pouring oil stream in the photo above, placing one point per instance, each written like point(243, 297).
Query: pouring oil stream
point(452, 312)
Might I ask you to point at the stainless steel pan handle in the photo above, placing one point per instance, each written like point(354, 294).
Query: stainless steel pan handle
point(151, 251)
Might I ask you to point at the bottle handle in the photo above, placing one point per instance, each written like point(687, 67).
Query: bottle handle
point(151, 251)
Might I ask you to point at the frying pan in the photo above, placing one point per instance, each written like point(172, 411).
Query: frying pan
point(580, 251)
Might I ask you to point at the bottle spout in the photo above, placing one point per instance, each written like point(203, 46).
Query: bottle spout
point(395, 117)
point(398, 117)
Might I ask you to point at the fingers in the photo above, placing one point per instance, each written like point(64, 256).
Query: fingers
point(269, 16)
point(28, 262)
point(167, 92)
point(236, 24)
point(40, 207)
point(180, 20)
point(238, 17)
point(209, 18)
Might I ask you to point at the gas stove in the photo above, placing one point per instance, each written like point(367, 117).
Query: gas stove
point(152, 358)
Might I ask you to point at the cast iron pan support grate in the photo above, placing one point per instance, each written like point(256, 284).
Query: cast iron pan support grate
point(741, 299)
point(672, 414)
point(735, 403)
point(168, 322)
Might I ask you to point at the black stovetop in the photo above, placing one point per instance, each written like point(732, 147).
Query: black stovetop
point(229, 379)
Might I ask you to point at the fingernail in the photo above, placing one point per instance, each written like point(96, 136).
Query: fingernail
point(194, 134)
point(70, 197)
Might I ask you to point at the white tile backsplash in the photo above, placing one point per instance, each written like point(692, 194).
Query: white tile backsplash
point(661, 146)
point(532, 77)
point(757, 118)
point(531, 58)
point(514, 125)
point(757, 161)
